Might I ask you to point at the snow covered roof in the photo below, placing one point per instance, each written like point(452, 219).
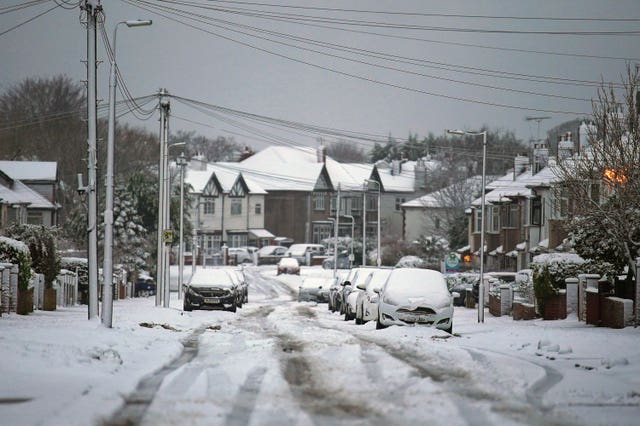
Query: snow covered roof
point(400, 182)
point(225, 176)
point(22, 194)
point(30, 170)
point(505, 187)
point(439, 198)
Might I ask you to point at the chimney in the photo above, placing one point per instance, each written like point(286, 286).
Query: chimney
point(420, 175)
point(565, 147)
point(321, 153)
point(520, 163)
point(198, 163)
point(540, 157)
point(396, 167)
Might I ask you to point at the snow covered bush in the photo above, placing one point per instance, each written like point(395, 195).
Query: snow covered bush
point(41, 241)
point(17, 252)
point(461, 279)
point(411, 262)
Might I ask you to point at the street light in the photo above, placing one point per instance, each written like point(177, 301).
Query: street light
point(181, 162)
point(378, 256)
point(107, 267)
point(352, 229)
point(482, 216)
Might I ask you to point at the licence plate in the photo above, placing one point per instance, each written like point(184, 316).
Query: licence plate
point(211, 300)
point(415, 318)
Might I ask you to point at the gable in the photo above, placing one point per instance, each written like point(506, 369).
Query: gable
point(239, 188)
point(212, 188)
point(323, 183)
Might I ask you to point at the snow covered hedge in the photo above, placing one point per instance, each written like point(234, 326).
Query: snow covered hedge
point(17, 252)
point(41, 241)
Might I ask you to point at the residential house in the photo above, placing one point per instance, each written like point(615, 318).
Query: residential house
point(430, 214)
point(28, 193)
point(228, 207)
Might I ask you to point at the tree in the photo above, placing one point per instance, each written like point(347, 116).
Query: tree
point(346, 152)
point(218, 149)
point(604, 181)
point(41, 241)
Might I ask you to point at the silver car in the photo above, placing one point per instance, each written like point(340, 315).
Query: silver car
point(415, 296)
point(314, 289)
point(367, 301)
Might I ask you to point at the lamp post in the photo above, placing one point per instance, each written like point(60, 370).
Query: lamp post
point(378, 254)
point(107, 267)
point(364, 224)
point(181, 162)
point(482, 216)
point(348, 216)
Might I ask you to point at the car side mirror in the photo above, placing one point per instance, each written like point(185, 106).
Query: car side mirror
point(455, 294)
point(345, 283)
point(319, 287)
point(360, 286)
point(377, 290)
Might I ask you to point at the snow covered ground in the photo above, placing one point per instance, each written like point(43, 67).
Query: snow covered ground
point(281, 362)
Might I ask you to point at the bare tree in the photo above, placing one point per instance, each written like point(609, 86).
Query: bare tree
point(346, 152)
point(604, 181)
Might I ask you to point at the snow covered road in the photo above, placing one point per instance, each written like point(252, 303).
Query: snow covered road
point(277, 361)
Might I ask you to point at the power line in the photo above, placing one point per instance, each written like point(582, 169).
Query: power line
point(358, 77)
point(447, 15)
point(28, 20)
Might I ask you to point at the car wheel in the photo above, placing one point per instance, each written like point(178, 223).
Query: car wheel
point(233, 307)
point(450, 329)
point(379, 325)
point(187, 306)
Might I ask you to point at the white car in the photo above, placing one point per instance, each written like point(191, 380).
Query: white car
point(367, 302)
point(351, 292)
point(415, 296)
point(240, 255)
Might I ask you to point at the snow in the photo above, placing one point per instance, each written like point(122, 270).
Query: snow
point(281, 362)
point(30, 170)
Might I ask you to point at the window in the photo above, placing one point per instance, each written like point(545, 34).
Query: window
point(237, 240)
point(321, 231)
point(34, 218)
point(372, 202)
point(399, 202)
point(258, 209)
point(561, 205)
point(536, 211)
point(318, 201)
point(356, 204)
point(478, 221)
point(236, 206)
point(495, 218)
point(209, 205)
point(211, 243)
point(436, 222)
point(510, 216)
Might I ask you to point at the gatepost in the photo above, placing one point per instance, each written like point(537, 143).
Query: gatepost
point(637, 293)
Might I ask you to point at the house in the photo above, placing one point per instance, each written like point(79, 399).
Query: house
point(28, 193)
point(228, 208)
point(430, 214)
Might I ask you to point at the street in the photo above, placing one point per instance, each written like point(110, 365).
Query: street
point(281, 362)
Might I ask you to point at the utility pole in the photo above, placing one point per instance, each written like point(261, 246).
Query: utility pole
point(92, 8)
point(160, 258)
point(335, 249)
point(364, 224)
point(182, 162)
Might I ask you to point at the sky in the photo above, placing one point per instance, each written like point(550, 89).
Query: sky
point(422, 66)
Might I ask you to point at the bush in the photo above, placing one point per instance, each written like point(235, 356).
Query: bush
point(41, 241)
point(17, 252)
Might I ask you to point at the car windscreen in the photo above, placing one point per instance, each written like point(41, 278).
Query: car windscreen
point(212, 278)
point(378, 279)
point(297, 250)
point(406, 286)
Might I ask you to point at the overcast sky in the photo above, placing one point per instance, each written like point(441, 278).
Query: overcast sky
point(214, 65)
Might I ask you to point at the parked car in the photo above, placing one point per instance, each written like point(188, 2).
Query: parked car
point(271, 255)
point(288, 265)
point(343, 262)
point(459, 283)
point(367, 301)
point(314, 289)
point(335, 291)
point(144, 287)
point(239, 278)
point(350, 292)
point(211, 288)
point(415, 296)
point(240, 255)
point(492, 279)
point(300, 252)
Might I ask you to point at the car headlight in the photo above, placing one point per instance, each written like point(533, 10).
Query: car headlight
point(192, 292)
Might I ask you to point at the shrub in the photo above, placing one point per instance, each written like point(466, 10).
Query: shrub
point(17, 252)
point(41, 241)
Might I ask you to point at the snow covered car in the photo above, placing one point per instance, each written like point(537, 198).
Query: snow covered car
point(343, 262)
point(211, 288)
point(145, 286)
point(415, 296)
point(367, 301)
point(288, 265)
point(351, 290)
point(271, 255)
point(314, 289)
point(240, 255)
point(335, 291)
point(243, 287)
point(301, 251)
